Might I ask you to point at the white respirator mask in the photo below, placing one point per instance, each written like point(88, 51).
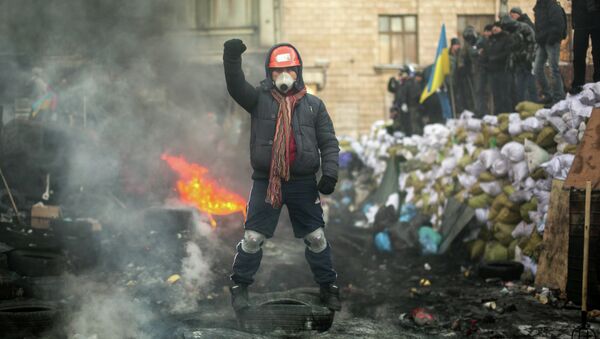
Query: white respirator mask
point(284, 82)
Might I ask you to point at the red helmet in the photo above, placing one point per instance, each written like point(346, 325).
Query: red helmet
point(284, 56)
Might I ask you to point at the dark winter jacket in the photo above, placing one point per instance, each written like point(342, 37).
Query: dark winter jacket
point(497, 52)
point(523, 42)
point(316, 143)
point(526, 20)
point(586, 14)
point(549, 22)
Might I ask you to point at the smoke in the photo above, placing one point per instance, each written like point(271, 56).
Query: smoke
point(127, 85)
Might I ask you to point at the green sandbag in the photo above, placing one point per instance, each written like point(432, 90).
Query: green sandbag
point(480, 201)
point(464, 161)
point(503, 117)
point(508, 216)
point(502, 139)
point(477, 249)
point(508, 190)
point(528, 207)
point(571, 149)
point(538, 174)
point(476, 189)
point(485, 234)
point(512, 248)
point(532, 246)
point(486, 177)
point(494, 251)
point(525, 135)
point(503, 233)
point(545, 138)
point(528, 109)
point(503, 201)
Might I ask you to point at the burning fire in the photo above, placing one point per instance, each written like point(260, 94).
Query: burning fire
point(196, 188)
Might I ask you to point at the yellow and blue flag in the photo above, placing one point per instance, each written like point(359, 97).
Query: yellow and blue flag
point(441, 68)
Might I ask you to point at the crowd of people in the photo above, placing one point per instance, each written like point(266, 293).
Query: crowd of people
point(493, 70)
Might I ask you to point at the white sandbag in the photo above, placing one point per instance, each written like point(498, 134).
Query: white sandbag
point(572, 120)
point(543, 114)
point(522, 230)
point(519, 172)
point(473, 125)
point(492, 188)
point(559, 166)
point(558, 124)
point(489, 156)
point(532, 124)
point(581, 130)
point(587, 97)
point(535, 155)
point(466, 115)
point(448, 165)
point(529, 184)
point(500, 167)
point(481, 214)
point(491, 120)
point(571, 136)
point(475, 169)
point(581, 109)
point(514, 151)
point(467, 181)
point(393, 200)
point(521, 196)
point(514, 124)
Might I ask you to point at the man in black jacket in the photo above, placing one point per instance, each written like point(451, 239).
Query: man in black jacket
point(586, 23)
point(516, 13)
point(495, 57)
point(521, 58)
point(291, 137)
point(550, 28)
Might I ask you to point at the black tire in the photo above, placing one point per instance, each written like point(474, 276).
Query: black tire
point(9, 285)
point(44, 288)
point(36, 263)
point(27, 317)
point(292, 311)
point(505, 270)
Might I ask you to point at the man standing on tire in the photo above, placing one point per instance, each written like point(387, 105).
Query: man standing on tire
point(291, 137)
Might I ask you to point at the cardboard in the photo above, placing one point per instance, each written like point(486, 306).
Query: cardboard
point(42, 214)
point(553, 262)
point(586, 166)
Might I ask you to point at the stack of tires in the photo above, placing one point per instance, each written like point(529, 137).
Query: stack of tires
point(29, 287)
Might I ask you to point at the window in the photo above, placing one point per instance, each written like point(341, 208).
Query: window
point(224, 14)
point(479, 21)
point(398, 36)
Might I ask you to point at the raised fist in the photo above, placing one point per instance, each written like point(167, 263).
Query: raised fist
point(233, 48)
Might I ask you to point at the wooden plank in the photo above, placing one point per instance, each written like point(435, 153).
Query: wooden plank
point(586, 166)
point(553, 261)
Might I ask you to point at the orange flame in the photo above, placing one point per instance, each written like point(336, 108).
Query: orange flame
point(196, 188)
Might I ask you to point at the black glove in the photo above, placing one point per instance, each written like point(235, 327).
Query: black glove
point(233, 48)
point(326, 185)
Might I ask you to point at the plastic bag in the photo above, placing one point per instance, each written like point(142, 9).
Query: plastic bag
point(519, 172)
point(488, 157)
point(571, 136)
point(429, 239)
point(558, 124)
point(535, 155)
point(522, 230)
point(492, 188)
point(514, 151)
point(559, 166)
point(514, 124)
point(500, 167)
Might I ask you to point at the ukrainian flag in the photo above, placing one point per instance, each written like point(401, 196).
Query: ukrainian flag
point(441, 68)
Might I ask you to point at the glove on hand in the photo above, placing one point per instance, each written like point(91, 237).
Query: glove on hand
point(326, 185)
point(233, 48)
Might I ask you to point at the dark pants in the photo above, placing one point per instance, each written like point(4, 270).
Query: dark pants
point(306, 214)
point(550, 54)
point(581, 39)
point(501, 82)
point(524, 85)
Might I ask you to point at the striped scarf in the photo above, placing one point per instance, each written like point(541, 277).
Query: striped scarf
point(280, 154)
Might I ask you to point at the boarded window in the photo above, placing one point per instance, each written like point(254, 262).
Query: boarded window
point(398, 36)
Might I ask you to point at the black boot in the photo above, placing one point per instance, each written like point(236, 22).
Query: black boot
point(239, 297)
point(330, 296)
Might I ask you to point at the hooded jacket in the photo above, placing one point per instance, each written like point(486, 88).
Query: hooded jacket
point(586, 14)
point(549, 22)
point(316, 143)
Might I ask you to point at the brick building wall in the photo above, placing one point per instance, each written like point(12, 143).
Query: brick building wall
point(344, 34)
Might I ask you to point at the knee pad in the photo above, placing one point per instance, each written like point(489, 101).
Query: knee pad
point(252, 241)
point(315, 241)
